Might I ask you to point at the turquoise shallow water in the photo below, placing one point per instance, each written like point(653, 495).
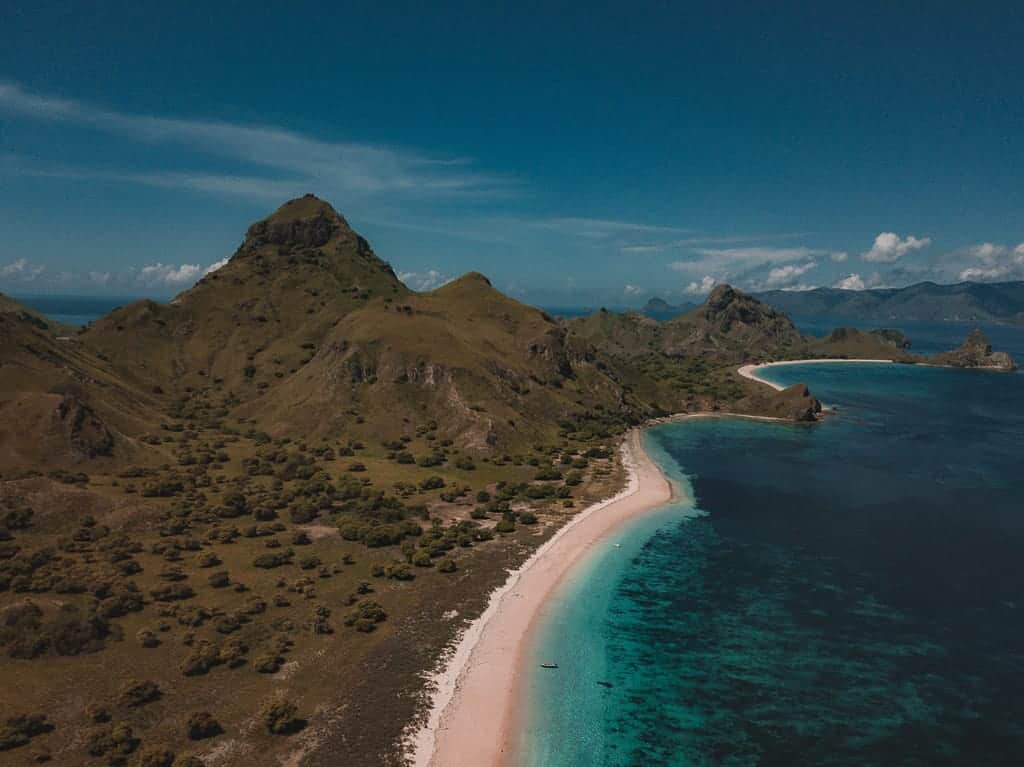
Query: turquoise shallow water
point(850, 593)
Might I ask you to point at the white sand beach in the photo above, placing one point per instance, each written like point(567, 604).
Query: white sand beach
point(471, 721)
point(750, 371)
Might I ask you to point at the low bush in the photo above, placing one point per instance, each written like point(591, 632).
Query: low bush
point(19, 730)
point(201, 725)
point(365, 616)
point(135, 693)
point(281, 717)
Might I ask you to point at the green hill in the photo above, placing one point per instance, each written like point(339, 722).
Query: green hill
point(295, 275)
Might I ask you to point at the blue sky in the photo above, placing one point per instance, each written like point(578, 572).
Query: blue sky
point(578, 154)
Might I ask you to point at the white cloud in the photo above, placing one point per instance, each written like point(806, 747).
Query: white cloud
point(604, 229)
point(703, 287)
point(756, 254)
point(341, 168)
point(784, 275)
point(424, 281)
point(839, 256)
point(634, 290)
point(21, 269)
point(168, 274)
point(850, 282)
point(987, 251)
point(982, 274)
point(888, 247)
point(100, 278)
point(640, 249)
point(991, 262)
point(690, 242)
point(217, 265)
point(730, 262)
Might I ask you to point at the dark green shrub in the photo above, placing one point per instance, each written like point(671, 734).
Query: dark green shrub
point(432, 483)
point(422, 559)
point(136, 693)
point(303, 513)
point(365, 616)
point(19, 730)
point(173, 593)
point(281, 718)
point(114, 741)
point(446, 565)
point(147, 638)
point(270, 561)
point(201, 725)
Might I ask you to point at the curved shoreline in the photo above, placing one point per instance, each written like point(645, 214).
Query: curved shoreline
point(472, 717)
point(472, 713)
point(750, 371)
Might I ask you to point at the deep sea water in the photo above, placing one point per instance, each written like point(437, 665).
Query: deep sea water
point(852, 594)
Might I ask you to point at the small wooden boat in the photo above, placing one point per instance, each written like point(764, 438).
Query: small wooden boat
point(549, 665)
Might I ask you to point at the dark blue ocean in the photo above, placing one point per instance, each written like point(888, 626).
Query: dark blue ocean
point(74, 310)
point(847, 593)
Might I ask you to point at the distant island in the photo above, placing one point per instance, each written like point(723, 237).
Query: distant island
point(660, 309)
point(996, 302)
point(271, 503)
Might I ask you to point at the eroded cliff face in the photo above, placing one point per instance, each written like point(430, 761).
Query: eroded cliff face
point(975, 352)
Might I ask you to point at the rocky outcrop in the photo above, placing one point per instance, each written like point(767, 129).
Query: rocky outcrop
point(308, 233)
point(731, 322)
point(793, 404)
point(86, 434)
point(975, 352)
point(307, 222)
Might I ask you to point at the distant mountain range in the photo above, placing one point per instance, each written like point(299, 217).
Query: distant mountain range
point(1001, 302)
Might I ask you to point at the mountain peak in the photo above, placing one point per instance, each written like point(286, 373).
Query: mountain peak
point(728, 313)
point(721, 296)
point(474, 278)
point(305, 221)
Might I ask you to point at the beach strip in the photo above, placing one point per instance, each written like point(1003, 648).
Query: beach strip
point(750, 371)
point(473, 707)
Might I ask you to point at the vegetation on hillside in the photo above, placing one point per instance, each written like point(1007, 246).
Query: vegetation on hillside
point(238, 526)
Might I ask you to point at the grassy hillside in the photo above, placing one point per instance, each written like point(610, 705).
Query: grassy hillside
point(494, 373)
point(296, 274)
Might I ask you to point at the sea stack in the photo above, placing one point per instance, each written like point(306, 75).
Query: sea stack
point(976, 352)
